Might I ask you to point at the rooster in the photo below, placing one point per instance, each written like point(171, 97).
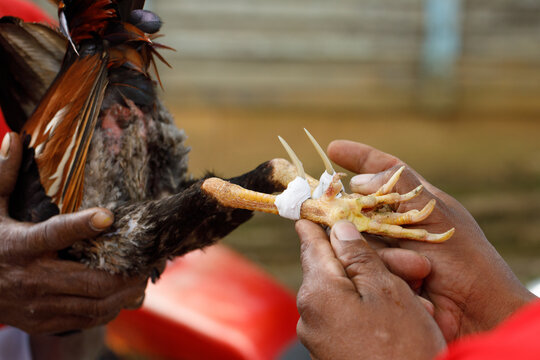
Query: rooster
point(99, 136)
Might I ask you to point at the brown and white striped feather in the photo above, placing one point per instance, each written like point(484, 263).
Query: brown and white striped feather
point(62, 126)
point(30, 58)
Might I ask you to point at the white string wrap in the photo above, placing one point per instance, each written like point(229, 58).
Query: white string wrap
point(290, 201)
point(324, 184)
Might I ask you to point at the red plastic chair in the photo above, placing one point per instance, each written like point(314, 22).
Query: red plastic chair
point(209, 305)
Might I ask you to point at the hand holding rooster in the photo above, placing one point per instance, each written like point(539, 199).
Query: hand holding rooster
point(41, 293)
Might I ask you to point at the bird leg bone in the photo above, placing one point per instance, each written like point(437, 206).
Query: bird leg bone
point(369, 213)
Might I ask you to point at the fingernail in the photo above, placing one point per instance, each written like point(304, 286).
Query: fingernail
point(361, 179)
point(6, 144)
point(346, 231)
point(101, 220)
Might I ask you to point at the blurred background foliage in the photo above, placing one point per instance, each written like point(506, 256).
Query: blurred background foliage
point(452, 87)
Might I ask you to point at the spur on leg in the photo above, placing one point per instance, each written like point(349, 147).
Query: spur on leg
point(324, 201)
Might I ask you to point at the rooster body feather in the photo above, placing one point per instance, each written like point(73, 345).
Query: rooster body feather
point(99, 136)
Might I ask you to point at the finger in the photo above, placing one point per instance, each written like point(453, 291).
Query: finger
point(370, 183)
point(62, 231)
point(316, 254)
point(56, 315)
point(91, 283)
point(407, 264)
point(408, 181)
point(360, 158)
point(364, 159)
point(324, 281)
point(363, 266)
point(10, 160)
point(366, 184)
point(99, 310)
point(361, 263)
point(136, 303)
point(102, 309)
point(69, 278)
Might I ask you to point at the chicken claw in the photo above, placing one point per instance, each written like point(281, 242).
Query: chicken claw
point(328, 202)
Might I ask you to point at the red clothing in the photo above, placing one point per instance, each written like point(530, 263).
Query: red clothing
point(27, 11)
point(516, 338)
point(3, 127)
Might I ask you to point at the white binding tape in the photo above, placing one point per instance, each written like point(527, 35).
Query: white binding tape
point(290, 201)
point(324, 184)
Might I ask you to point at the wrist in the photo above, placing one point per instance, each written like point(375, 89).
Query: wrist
point(497, 309)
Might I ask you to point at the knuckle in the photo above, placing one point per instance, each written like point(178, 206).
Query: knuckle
point(50, 231)
point(308, 302)
point(357, 269)
point(27, 238)
point(60, 231)
point(357, 261)
point(31, 289)
point(301, 330)
point(24, 286)
point(99, 309)
point(303, 302)
point(304, 247)
point(308, 243)
point(311, 337)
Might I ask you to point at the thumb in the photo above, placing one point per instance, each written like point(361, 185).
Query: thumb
point(369, 183)
point(10, 160)
point(62, 231)
point(361, 263)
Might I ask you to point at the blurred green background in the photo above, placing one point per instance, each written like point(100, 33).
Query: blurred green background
point(451, 87)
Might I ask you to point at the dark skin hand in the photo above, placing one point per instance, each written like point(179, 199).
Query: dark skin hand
point(40, 293)
point(470, 285)
point(352, 307)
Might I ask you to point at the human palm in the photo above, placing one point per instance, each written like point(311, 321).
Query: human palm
point(471, 287)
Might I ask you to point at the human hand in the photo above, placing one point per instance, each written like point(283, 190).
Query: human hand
point(40, 293)
point(352, 307)
point(470, 285)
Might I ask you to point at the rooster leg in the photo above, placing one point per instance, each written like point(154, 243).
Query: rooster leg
point(328, 212)
point(370, 213)
point(283, 172)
